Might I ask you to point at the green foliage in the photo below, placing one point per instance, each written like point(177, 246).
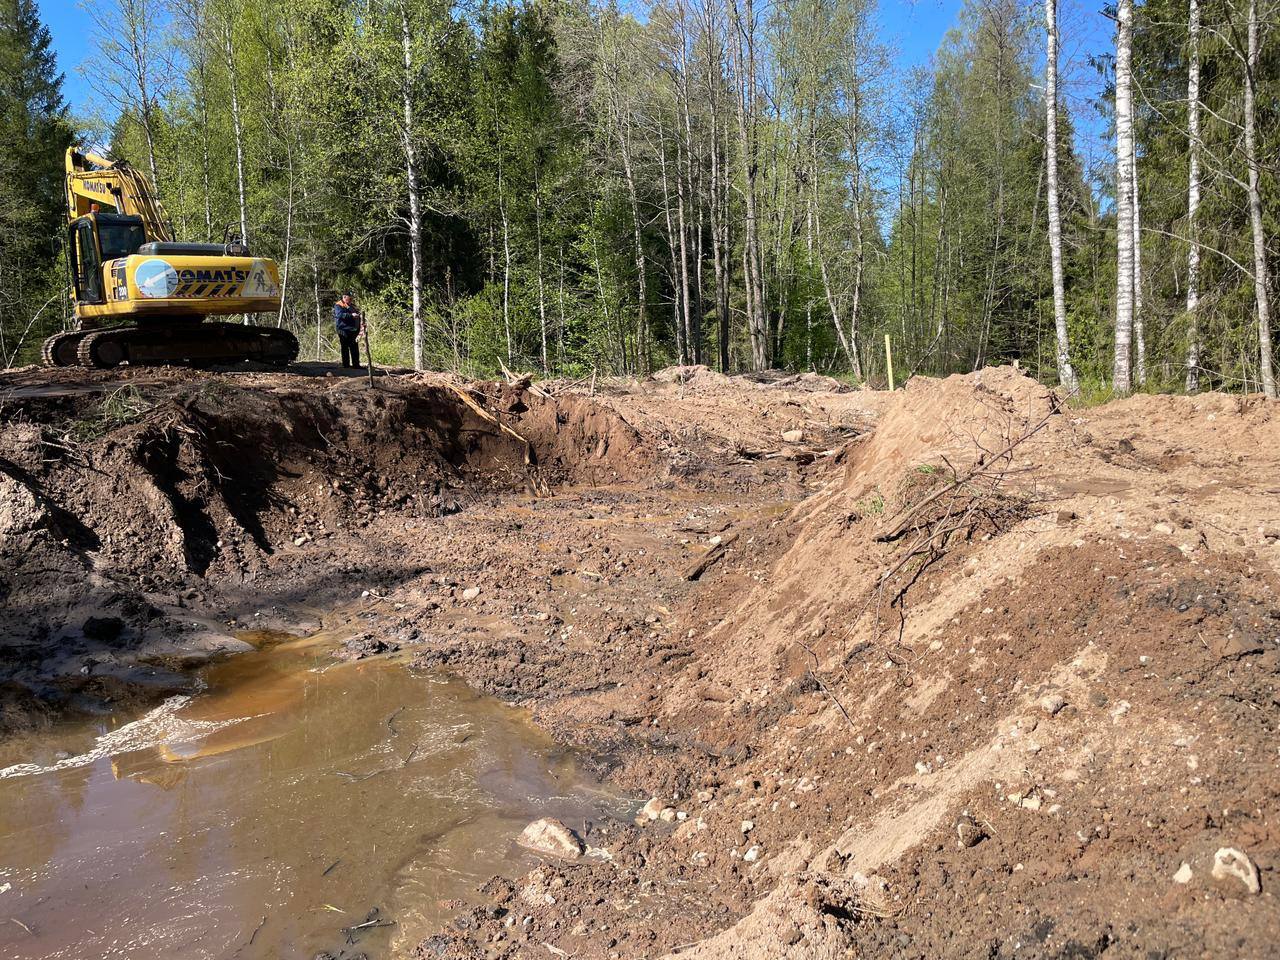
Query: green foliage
point(577, 179)
point(35, 132)
point(121, 406)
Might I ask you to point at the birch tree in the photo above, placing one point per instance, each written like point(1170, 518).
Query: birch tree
point(1193, 196)
point(1122, 381)
point(1066, 375)
point(133, 66)
point(1261, 284)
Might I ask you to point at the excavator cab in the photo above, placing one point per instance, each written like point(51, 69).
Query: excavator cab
point(141, 297)
point(97, 239)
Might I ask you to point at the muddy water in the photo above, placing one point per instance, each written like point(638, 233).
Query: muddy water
point(262, 817)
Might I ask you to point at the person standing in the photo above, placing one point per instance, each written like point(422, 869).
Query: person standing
point(349, 323)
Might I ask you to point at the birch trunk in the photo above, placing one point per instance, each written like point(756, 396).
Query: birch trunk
point(1261, 287)
point(1124, 198)
point(542, 298)
point(757, 321)
point(642, 279)
point(411, 178)
point(237, 128)
point(682, 348)
point(1066, 374)
point(1139, 329)
point(1193, 198)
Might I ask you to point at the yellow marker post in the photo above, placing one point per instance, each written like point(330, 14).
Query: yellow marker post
point(888, 359)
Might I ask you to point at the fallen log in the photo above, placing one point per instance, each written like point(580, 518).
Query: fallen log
point(705, 562)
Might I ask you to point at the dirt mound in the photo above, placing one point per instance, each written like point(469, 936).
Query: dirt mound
point(135, 500)
point(962, 418)
point(1052, 656)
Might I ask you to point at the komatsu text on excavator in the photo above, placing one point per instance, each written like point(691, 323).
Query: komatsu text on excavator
point(142, 298)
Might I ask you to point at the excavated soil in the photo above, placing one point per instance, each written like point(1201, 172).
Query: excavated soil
point(948, 672)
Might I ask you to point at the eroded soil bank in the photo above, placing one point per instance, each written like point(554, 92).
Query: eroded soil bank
point(948, 672)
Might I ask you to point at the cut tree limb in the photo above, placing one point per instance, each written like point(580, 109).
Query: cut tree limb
point(710, 557)
point(484, 414)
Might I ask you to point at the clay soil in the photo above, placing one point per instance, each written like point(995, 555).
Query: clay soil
point(951, 672)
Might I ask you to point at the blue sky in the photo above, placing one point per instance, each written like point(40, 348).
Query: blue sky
point(913, 29)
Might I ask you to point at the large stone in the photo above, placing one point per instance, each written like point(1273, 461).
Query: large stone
point(1230, 864)
point(20, 512)
point(653, 809)
point(551, 837)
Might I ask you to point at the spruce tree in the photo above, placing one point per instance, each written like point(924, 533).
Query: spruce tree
point(35, 132)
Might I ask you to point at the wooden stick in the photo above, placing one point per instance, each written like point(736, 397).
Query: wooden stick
point(368, 354)
point(707, 559)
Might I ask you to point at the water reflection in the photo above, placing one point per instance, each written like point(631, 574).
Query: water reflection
point(316, 793)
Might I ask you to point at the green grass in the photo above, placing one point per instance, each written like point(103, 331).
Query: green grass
point(121, 406)
point(872, 506)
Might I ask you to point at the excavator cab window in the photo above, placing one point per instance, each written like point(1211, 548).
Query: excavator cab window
point(87, 269)
point(119, 236)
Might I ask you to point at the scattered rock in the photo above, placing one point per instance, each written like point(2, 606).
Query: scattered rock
point(1052, 703)
point(552, 837)
point(667, 814)
point(792, 436)
point(748, 826)
point(969, 833)
point(792, 936)
point(1184, 874)
point(1026, 801)
point(653, 809)
point(470, 593)
point(752, 855)
point(364, 645)
point(705, 796)
point(1229, 863)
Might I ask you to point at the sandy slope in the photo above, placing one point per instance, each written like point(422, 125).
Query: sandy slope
point(972, 675)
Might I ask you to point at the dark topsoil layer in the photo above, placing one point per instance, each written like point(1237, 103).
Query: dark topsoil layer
point(883, 745)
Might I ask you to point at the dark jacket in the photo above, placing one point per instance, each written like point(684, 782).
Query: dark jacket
point(346, 319)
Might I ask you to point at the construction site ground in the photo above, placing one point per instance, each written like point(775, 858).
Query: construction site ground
point(953, 671)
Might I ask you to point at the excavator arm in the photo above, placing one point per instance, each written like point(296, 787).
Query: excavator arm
point(114, 187)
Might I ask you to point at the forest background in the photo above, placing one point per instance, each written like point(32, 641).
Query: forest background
point(569, 187)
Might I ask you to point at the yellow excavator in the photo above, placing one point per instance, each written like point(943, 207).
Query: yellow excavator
point(142, 298)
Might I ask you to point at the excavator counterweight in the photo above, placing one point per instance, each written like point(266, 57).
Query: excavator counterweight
point(142, 298)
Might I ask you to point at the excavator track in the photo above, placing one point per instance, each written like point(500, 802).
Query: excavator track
point(202, 343)
point(60, 350)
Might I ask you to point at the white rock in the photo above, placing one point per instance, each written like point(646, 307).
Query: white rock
point(553, 837)
point(667, 814)
point(792, 436)
point(748, 826)
point(752, 855)
point(653, 809)
point(470, 593)
point(1229, 862)
point(1052, 704)
point(1184, 874)
point(681, 816)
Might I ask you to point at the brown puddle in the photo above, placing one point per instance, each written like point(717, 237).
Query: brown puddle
point(262, 817)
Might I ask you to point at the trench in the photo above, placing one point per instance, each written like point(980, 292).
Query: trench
point(291, 800)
